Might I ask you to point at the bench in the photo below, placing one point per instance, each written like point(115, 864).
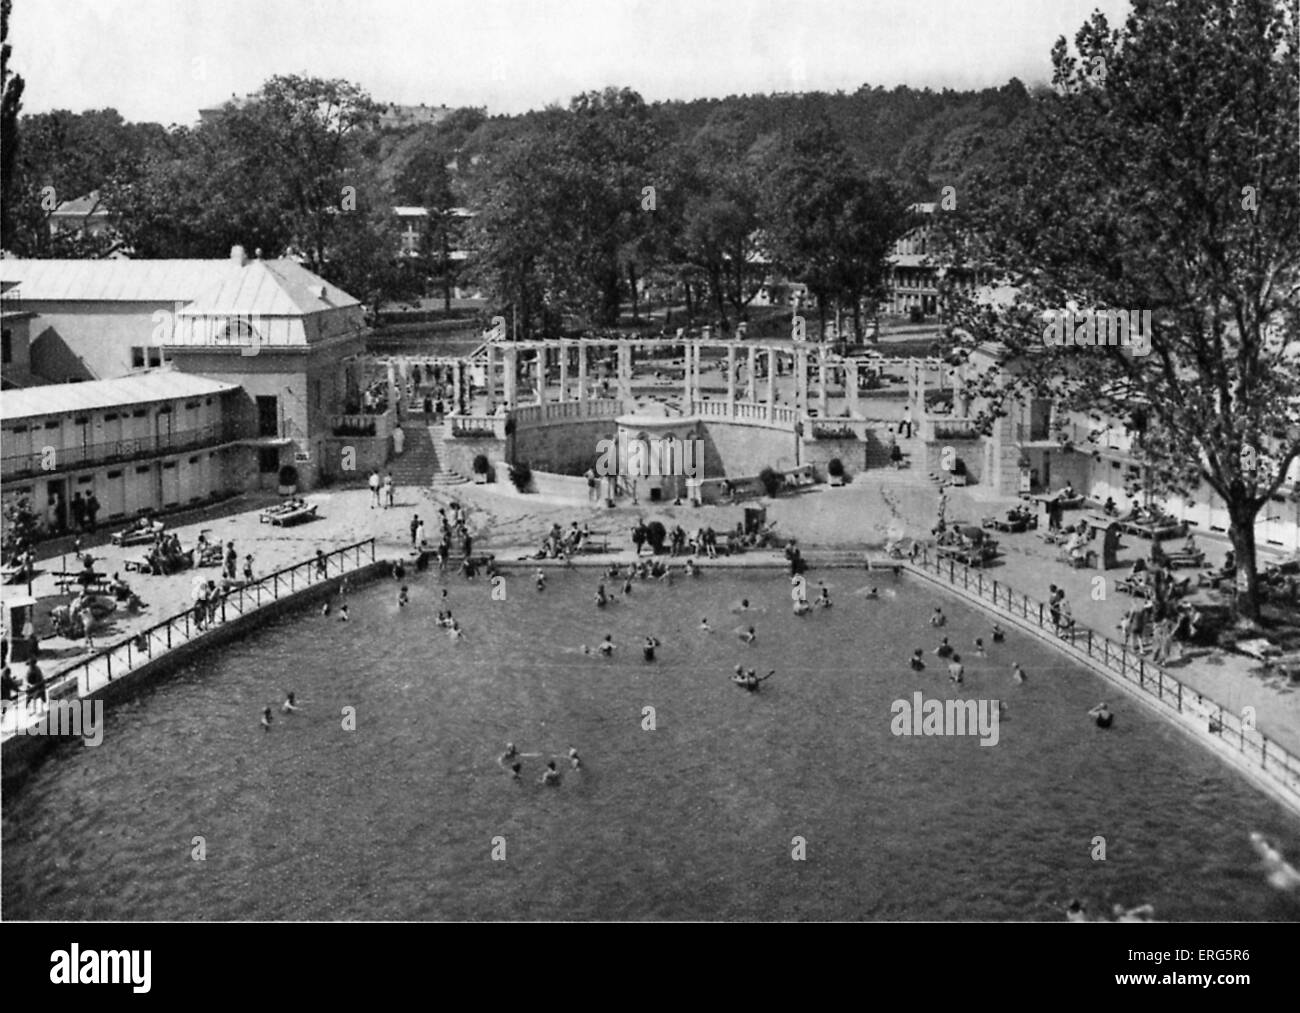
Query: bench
point(595, 541)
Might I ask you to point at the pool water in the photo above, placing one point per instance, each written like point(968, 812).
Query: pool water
point(695, 819)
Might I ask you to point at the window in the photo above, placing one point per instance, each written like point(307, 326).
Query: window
point(6, 346)
point(145, 356)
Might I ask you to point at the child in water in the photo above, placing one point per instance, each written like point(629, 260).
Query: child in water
point(648, 648)
point(343, 612)
point(266, 719)
point(1017, 674)
point(607, 646)
point(574, 761)
point(938, 619)
point(916, 662)
point(289, 707)
point(979, 648)
point(944, 649)
point(540, 579)
point(325, 608)
point(550, 775)
point(748, 636)
point(956, 669)
point(998, 635)
point(705, 627)
point(403, 596)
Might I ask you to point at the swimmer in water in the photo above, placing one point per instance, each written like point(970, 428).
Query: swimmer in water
point(456, 633)
point(944, 649)
point(979, 648)
point(748, 636)
point(998, 635)
point(648, 648)
point(343, 612)
point(1281, 874)
point(705, 627)
point(1141, 913)
point(1017, 674)
point(956, 669)
point(743, 606)
point(938, 619)
point(601, 597)
point(266, 719)
point(627, 587)
point(509, 755)
point(574, 761)
point(325, 608)
point(750, 680)
point(550, 775)
point(823, 596)
point(403, 597)
point(801, 608)
point(540, 579)
point(873, 593)
point(515, 768)
point(916, 662)
point(607, 646)
point(1075, 912)
point(289, 706)
point(1102, 714)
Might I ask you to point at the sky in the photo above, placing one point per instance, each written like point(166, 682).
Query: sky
point(163, 60)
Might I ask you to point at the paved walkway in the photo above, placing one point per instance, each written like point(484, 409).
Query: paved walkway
point(852, 518)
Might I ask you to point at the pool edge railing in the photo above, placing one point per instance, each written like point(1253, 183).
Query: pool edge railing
point(1278, 765)
point(96, 671)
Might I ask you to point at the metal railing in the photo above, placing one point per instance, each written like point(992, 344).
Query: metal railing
point(110, 451)
point(102, 667)
point(1273, 760)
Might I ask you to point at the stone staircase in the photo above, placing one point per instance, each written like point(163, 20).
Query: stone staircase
point(420, 462)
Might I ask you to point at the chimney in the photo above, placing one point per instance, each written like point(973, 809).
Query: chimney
point(238, 255)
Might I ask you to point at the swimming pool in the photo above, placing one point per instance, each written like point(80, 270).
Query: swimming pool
point(695, 819)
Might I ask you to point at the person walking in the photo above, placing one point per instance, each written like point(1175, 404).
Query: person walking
point(416, 524)
point(374, 489)
point(389, 490)
point(92, 511)
point(230, 570)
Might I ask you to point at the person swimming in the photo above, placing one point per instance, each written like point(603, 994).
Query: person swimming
point(916, 661)
point(1075, 912)
point(515, 768)
point(648, 648)
point(944, 649)
point(742, 607)
point(1102, 714)
point(1281, 874)
point(1017, 674)
point(607, 646)
point(574, 760)
point(627, 587)
point(343, 612)
point(750, 680)
point(691, 569)
point(873, 593)
point(748, 636)
point(938, 619)
point(510, 754)
point(979, 648)
point(403, 597)
point(266, 719)
point(956, 669)
point(801, 608)
point(456, 633)
point(550, 775)
point(540, 579)
point(325, 608)
point(998, 635)
point(705, 627)
point(601, 598)
point(823, 596)
point(289, 706)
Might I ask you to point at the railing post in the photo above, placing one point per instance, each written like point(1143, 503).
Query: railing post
point(1040, 615)
point(1160, 683)
point(1180, 695)
point(1090, 642)
point(108, 661)
point(995, 592)
point(979, 583)
point(965, 578)
point(275, 592)
point(1105, 651)
point(1123, 662)
point(169, 636)
point(1142, 672)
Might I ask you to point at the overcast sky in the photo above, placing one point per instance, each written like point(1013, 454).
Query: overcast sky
point(163, 60)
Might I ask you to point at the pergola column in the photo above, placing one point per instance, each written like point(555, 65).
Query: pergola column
point(753, 362)
point(958, 389)
point(822, 401)
point(564, 371)
point(731, 380)
point(625, 370)
point(686, 376)
point(392, 382)
point(771, 385)
point(489, 379)
point(455, 389)
point(851, 385)
point(511, 377)
point(582, 372)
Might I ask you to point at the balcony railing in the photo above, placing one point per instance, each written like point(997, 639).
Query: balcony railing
point(54, 459)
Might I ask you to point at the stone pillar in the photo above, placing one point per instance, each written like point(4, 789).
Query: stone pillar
point(625, 370)
point(851, 386)
point(564, 371)
point(958, 389)
point(771, 385)
point(822, 400)
point(392, 383)
point(731, 381)
point(753, 363)
point(511, 377)
point(455, 389)
point(582, 372)
point(489, 378)
point(686, 377)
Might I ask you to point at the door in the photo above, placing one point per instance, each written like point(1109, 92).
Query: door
point(268, 416)
point(171, 483)
point(114, 504)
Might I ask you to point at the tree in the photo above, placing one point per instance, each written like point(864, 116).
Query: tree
point(11, 101)
point(1163, 177)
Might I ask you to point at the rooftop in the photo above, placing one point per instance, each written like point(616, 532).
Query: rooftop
point(57, 398)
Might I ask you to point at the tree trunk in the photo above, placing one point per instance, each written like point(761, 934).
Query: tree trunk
point(690, 306)
point(1242, 533)
point(631, 281)
point(446, 274)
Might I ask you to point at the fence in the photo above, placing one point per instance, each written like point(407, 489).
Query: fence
point(1280, 766)
point(104, 666)
point(112, 451)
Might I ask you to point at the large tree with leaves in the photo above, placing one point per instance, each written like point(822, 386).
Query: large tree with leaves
point(1162, 176)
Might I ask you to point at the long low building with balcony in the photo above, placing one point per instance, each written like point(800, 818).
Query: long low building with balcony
point(157, 441)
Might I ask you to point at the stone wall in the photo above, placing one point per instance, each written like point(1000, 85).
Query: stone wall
point(567, 447)
point(457, 454)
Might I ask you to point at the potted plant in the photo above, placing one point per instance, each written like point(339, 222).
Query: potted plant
point(480, 469)
point(771, 481)
point(288, 480)
point(521, 475)
point(835, 469)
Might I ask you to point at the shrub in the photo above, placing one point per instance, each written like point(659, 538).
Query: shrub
point(289, 475)
point(521, 475)
point(480, 464)
point(656, 534)
point(772, 481)
point(835, 467)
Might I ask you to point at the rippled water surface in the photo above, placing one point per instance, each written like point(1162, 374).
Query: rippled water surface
point(694, 819)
